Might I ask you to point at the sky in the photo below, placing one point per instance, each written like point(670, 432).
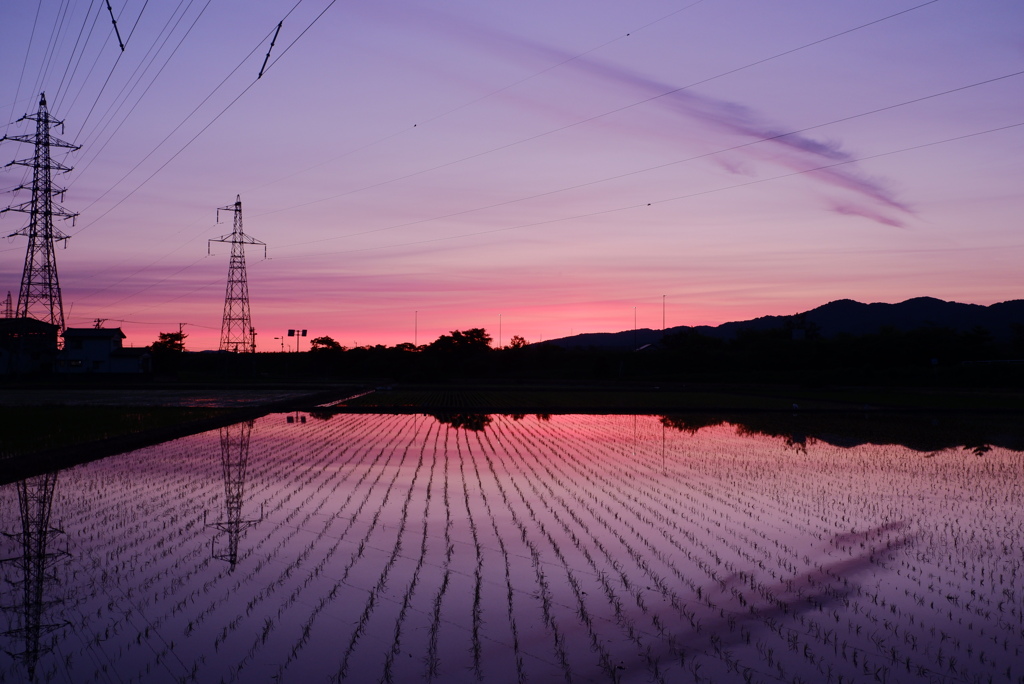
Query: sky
point(534, 168)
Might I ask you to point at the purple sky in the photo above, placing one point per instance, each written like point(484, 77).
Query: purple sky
point(554, 164)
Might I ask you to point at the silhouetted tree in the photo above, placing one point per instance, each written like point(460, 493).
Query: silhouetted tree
point(474, 339)
point(324, 343)
point(517, 342)
point(169, 342)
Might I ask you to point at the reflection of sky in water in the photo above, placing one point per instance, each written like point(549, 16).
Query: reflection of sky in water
point(400, 547)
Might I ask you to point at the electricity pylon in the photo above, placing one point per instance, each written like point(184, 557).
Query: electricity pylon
point(39, 296)
point(236, 331)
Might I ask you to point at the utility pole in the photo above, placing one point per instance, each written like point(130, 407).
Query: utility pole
point(39, 296)
point(236, 331)
point(8, 307)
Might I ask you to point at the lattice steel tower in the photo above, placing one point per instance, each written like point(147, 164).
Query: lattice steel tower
point(39, 296)
point(236, 331)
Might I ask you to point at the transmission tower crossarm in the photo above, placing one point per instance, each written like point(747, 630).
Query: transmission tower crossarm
point(231, 237)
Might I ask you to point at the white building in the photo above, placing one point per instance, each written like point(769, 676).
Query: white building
point(100, 350)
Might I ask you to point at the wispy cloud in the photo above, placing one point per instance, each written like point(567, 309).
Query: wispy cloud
point(773, 143)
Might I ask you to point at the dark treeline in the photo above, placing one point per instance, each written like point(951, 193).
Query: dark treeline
point(929, 356)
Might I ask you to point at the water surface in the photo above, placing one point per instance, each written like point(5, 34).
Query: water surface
point(514, 548)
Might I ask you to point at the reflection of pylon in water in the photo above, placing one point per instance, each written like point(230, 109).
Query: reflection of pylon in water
point(35, 568)
point(234, 456)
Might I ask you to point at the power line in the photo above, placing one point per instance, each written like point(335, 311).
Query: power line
point(59, 95)
point(474, 101)
point(74, 50)
point(602, 180)
point(671, 163)
point(24, 64)
point(51, 47)
point(595, 117)
point(202, 130)
point(301, 33)
point(117, 61)
point(168, 136)
point(639, 205)
point(98, 152)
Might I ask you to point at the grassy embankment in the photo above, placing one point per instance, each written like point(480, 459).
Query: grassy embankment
point(32, 429)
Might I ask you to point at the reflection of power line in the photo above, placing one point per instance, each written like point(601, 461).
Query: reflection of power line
point(234, 456)
point(36, 566)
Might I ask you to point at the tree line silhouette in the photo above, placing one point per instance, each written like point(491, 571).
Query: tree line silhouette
point(932, 355)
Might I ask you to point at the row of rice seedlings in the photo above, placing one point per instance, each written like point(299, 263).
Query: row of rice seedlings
point(377, 465)
point(979, 585)
point(433, 659)
point(382, 581)
point(475, 613)
point(509, 590)
point(582, 610)
point(407, 598)
point(639, 558)
point(743, 506)
point(825, 590)
point(543, 584)
point(304, 481)
point(730, 622)
point(543, 587)
point(297, 558)
point(199, 618)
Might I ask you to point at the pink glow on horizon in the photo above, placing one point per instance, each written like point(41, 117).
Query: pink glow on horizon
point(468, 161)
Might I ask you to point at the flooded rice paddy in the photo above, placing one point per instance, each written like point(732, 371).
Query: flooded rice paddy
point(398, 548)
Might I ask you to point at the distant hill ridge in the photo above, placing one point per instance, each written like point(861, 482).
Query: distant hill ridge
point(843, 316)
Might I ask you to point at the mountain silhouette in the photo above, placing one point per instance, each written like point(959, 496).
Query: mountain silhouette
point(841, 317)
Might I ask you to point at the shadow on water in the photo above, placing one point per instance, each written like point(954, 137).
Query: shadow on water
point(740, 608)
